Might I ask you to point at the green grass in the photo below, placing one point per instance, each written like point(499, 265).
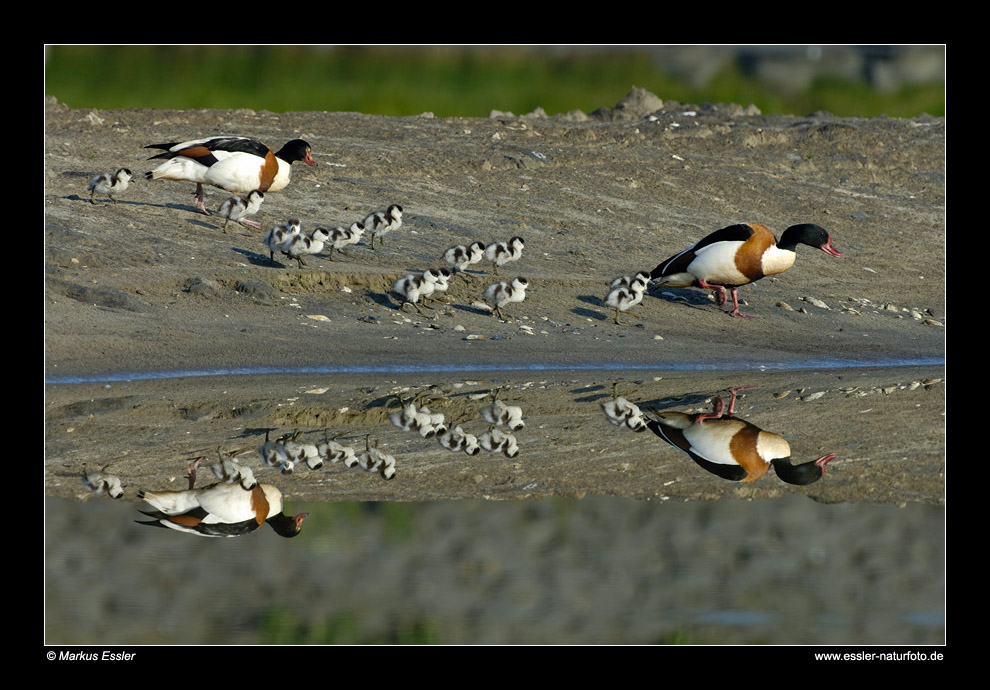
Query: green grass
point(449, 82)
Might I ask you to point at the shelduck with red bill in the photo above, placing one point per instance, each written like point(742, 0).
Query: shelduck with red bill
point(236, 164)
point(732, 448)
point(221, 510)
point(738, 255)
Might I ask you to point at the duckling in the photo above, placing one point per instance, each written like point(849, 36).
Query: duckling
point(101, 482)
point(411, 418)
point(412, 287)
point(303, 452)
point(273, 454)
point(501, 294)
point(341, 237)
point(229, 471)
point(501, 253)
point(626, 281)
point(460, 256)
point(439, 286)
point(109, 184)
point(374, 460)
point(276, 238)
point(238, 208)
point(302, 245)
point(625, 298)
point(621, 412)
point(381, 223)
point(497, 441)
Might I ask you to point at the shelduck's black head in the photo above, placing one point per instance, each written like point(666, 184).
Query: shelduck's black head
point(286, 525)
point(803, 474)
point(809, 234)
point(297, 150)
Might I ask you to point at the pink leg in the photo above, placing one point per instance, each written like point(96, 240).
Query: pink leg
point(719, 408)
point(719, 291)
point(732, 399)
point(200, 204)
point(824, 460)
point(735, 306)
point(252, 223)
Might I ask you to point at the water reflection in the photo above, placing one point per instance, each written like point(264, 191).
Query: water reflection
point(675, 567)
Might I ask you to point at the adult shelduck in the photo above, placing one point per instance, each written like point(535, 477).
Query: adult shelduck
point(733, 448)
point(737, 255)
point(237, 164)
point(221, 510)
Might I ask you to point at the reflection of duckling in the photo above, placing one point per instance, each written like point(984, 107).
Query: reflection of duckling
point(381, 223)
point(461, 256)
point(109, 184)
point(497, 441)
point(501, 294)
point(500, 414)
point(457, 439)
point(621, 412)
point(101, 482)
point(238, 208)
point(733, 448)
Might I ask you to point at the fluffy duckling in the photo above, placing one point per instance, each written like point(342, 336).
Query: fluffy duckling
point(501, 253)
point(625, 298)
point(109, 184)
point(277, 237)
point(341, 237)
point(460, 256)
point(439, 286)
point(238, 208)
point(621, 412)
point(501, 294)
point(374, 460)
point(229, 471)
point(101, 482)
point(299, 453)
point(302, 245)
point(412, 287)
point(381, 223)
point(497, 441)
point(411, 418)
point(274, 455)
point(626, 281)
point(333, 452)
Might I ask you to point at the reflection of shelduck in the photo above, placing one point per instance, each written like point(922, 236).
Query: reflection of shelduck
point(737, 255)
point(501, 294)
point(381, 223)
point(109, 184)
point(733, 448)
point(238, 208)
point(501, 253)
point(221, 510)
point(237, 164)
point(461, 256)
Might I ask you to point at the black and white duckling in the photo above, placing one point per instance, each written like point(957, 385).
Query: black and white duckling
point(457, 440)
point(501, 294)
point(621, 412)
point(302, 245)
point(500, 414)
point(413, 418)
point(302, 453)
point(497, 441)
point(277, 237)
point(229, 471)
point(501, 253)
point(460, 256)
point(109, 184)
point(381, 223)
point(238, 208)
point(412, 288)
point(626, 281)
point(333, 452)
point(437, 287)
point(102, 483)
point(625, 298)
point(341, 237)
